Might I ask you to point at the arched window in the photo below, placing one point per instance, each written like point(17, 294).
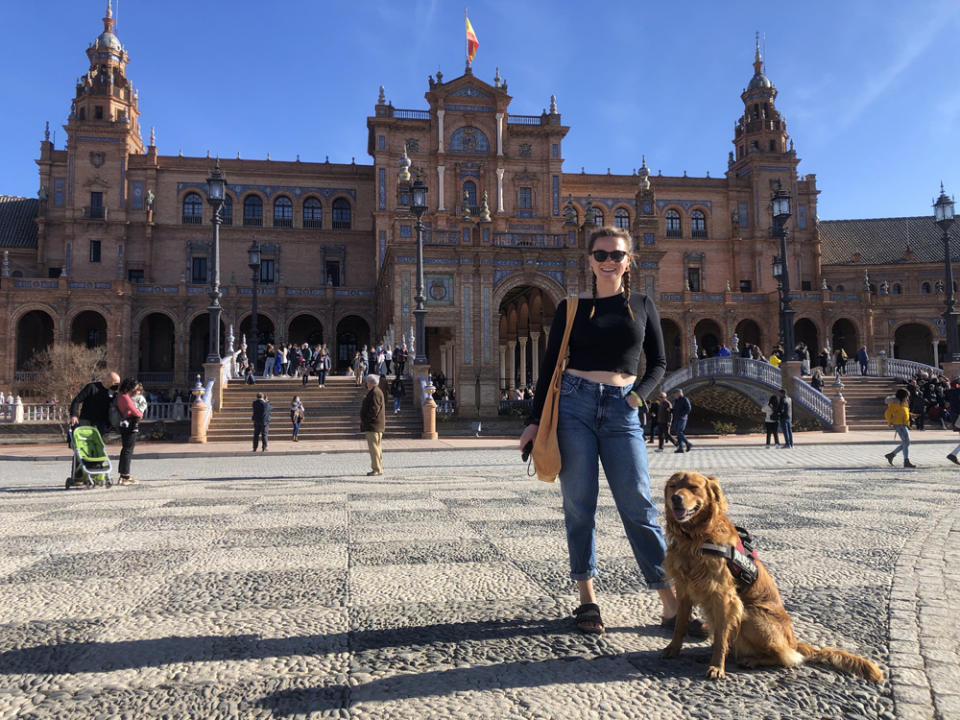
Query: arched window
point(470, 194)
point(252, 211)
point(897, 289)
point(192, 209)
point(341, 214)
point(925, 288)
point(226, 210)
point(673, 224)
point(621, 218)
point(598, 217)
point(283, 212)
point(698, 224)
point(840, 288)
point(469, 140)
point(312, 213)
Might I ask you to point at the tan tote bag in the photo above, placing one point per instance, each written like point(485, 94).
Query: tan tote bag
point(546, 450)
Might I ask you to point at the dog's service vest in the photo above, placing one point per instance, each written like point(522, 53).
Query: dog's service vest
point(741, 558)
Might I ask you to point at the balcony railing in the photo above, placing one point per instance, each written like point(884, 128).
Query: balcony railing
point(191, 220)
point(531, 240)
point(698, 234)
point(94, 212)
point(411, 114)
point(523, 120)
point(341, 224)
point(671, 233)
point(253, 222)
point(283, 222)
point(441, 237)
point(312, 224)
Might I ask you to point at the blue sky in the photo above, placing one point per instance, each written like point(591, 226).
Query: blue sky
point(868, 87)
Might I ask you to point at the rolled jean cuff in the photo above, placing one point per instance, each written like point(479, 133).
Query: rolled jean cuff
point(660, 584)
point(584, 575)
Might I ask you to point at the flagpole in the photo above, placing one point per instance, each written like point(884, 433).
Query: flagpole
point(466, 40)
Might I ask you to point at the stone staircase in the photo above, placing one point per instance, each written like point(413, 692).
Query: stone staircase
point(865, 400)
point(332, 412)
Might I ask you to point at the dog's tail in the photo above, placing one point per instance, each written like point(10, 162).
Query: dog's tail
point(841, 660)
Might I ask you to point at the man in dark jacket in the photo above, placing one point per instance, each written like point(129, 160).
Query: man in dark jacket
point(681, 412)
point(261, 420)
point(373, 420)
point(91, 406)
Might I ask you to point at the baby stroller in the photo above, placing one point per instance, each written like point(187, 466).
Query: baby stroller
point(91, 466)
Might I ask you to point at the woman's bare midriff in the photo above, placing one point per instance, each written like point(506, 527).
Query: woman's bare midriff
point(604, 377)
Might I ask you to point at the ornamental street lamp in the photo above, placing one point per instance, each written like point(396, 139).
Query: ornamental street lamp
point(780, 209)
point(943, 216)
point(418, 206)
point(253, 262)
point(216, 193)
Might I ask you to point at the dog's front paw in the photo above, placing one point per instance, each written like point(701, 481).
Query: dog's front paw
point(715, 672)
point(671, 650)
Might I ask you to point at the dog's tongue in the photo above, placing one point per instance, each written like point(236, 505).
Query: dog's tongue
point(679, 513)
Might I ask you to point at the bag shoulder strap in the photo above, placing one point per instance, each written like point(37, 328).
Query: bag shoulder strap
point(572, 302)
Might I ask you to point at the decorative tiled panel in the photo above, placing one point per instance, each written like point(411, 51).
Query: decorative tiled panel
point(382, 189)
point(438, 289)
point(556, 192)
point(648, 239)
point(59, 192)
point(687, 205)
point(467, 334)
point(136, 196)
point(269, 190)
point(500, 275)
point(486, 326)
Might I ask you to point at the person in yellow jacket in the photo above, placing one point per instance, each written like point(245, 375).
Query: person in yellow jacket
point(898, 415)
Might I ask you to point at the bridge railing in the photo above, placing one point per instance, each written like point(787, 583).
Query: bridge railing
point(902, 369)
point(813, 400)
point(756, 370)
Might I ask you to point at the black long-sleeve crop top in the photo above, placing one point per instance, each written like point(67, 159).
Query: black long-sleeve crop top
point(610, 340)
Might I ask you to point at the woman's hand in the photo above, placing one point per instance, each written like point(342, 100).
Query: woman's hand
point(632, 401)
point(529, 434)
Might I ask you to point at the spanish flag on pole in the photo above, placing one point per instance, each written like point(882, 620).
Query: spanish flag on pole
point(472, 42)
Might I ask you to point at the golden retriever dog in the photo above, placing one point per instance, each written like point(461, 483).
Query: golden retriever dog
point(749, 618)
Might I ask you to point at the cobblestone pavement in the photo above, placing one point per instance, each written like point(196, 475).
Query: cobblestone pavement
point(294, 586)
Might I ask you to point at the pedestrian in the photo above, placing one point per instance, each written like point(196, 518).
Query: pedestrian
point(681, 413)
point(816, 380)
point(664, 418)
point(250, 379)
point(297, 413)
point(261, 420)
point(270, 361)
point(359, 367)
point(775, 358)
point(131, 412)
point(897, 414)
point(841, 362)
point(771, 418)
point(322, 366)
point(397, 390)
point(863, 359)
point(724, 351)
point(92, 404)
point(597, 419)
point(388, 357)
point(373, 420)
point(785, 414)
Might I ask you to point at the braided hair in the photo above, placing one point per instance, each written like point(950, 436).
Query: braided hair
point(612, 232)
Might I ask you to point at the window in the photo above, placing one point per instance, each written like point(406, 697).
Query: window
point(693, 278)
point(805, 286)
point(96, 205)
point(341, 214)
point(198, 270)
point(406, 231)
point(773, 146)
point(897, 289)
point(252, 211)
point(312, 213)
point(192, 210)
point(840, 288)
point(673, 224)
point(698, 224)
point(524, 198)
point(283, 212)
point(621, 218)
point(98, 112)
point(555, 150)
point(925, 288)
point(266, 271)
point(470, 194)
point(598, 217)
point(54, 273)
point(226, 210)
point(746, 286)
point(333, 273)
point(135, 276)
point(469, 140)
point(381, 142)
point(94, 251)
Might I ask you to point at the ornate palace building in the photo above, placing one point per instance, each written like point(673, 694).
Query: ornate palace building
point(117, 248)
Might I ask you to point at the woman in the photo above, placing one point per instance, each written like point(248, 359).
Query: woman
point(898, 415)
point(841, 362)
point(775, 359)
point(297, 411)
point(771, 418)
point(130, 414)
point(598, 417)
point(816, 380)
point(322, 366)
point(271, 361)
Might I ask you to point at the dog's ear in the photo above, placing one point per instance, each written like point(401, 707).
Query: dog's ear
point(713, 488)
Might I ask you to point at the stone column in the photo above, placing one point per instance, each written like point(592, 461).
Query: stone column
point(936, 353)
point(198, 421)
point(503, 367)
point(440, 114)
point(511, 374)
point(499, 134)
point(523, 360)
point(535, 359)
point(443, 361)
point(214, 371)
point(440, 206)
point(839, 409)
point(499, 190)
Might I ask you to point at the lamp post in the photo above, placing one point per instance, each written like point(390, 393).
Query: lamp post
point(780, 208)
point(216, 189)
point(253, 262)
point(943, 216)
point(418, 206)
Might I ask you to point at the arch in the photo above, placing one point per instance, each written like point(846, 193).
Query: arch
point(305, 328)
point(621, 218)
point(698, 223)
point(353, 332)
point(897, 289)
point(312, 213)
point(34, 335)
point(200, 342)
point(469, 139)
point(192, 209)
point(748, 331)
point(925, 288)
point(672, 224)
point(342, 219)
point(672, 343)
point(844, 335)
point(709, 337)
point(283, 212)
point(265, 332)
point(252, 210)
point(805, 330)
point(550, 287)
point(914, 341)
point(525, 308)
point(157, 343)
point(88, 328)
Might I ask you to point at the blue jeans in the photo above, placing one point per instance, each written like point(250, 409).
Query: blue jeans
point(679, 430)
point(904, 434)
point(396, 403)
point(595, 421)
point(786, 427)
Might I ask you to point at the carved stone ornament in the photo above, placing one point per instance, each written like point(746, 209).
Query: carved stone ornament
point(97, 158)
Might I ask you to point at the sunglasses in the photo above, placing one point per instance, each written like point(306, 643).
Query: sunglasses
point(602, 255)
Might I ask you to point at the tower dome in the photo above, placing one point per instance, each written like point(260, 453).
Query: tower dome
point(107, 40)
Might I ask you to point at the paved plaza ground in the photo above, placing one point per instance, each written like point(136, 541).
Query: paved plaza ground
point(291, 585)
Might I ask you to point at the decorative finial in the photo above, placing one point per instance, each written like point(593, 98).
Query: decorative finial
point(381, 98)
point(46, 131)
point(553, 104)
point(5, 272)
point(268, 157)
point(485, 209)
point(404, 165)
point(153, 136)
point(298, 157)
point(180, 152)
point(758, 58)
point(496, 78)
point(208, 154)
point(569, 212)
point(238, 154)
point(109, 9)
